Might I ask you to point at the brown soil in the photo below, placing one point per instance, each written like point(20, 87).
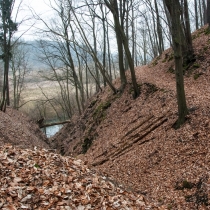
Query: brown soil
point(133, 141)
point(19, 130)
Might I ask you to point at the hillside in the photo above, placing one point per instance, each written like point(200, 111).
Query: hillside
point(19, 130)
point(133, 141)
point(33, 176)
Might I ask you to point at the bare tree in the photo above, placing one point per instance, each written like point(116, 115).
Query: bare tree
point(174, 10)
point(196, 13)
point(208, 13)
point(91, 50)
point(19, 67)
point(113, 6)
point(189, 52)
point(159, 29)
point(119, 16)
point(8, 28)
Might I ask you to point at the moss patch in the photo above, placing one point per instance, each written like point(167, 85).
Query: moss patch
point(100, 112)
point(92, 103)
point(207, 31)
point(184, 185)
point(205, 48)
point(171, 70)
point(86, 144)
point(197, 75)
point(131, 90)
point(171, 57)
point(155, 61)
point(151, 88)
point(196, 65)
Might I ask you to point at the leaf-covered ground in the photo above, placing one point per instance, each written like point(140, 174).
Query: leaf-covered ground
point(133, 140)
point(38, 179)
point(18, 129)
point(133, 157)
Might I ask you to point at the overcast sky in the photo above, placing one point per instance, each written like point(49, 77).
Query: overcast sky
point(40, 7)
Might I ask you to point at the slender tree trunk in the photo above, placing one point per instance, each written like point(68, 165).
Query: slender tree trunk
point(86, 81)
point(125, 18)
point(201, 13)
point(120, 49)
point(196, 14)
point(3, 101)
point(133, 33)
point(189, 55)
point(81, 86)
point(77, 97)
point(5, 98)
point(204, 12)
point(173, 7)
point(95, 51)
point(159, 30)
point(156, 44)
point(109, 53)
point(130, 60)
point(208, 13)
point(104, 40)
point(75, 77)
point(144, 48)
point(121, 34)
point(154, 50)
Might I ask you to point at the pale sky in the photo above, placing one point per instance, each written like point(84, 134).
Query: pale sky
point(40, 7)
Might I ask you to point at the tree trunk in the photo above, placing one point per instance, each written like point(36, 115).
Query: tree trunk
point(130, 60)
point(200, 11)
point(173, 8)
point(104, 40)
point(95, 51)
point(204, 12)
point(196, 14)
point(120, 48)
point(109, 53)
point(159, 31)
point(42, 125)
point(208, 14)
point(133, 34)
point(113, 6)
point(189, 55)
point(124, 16)
point(155, 38)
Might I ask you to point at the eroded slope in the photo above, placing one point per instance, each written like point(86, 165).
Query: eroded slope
point(134, 142)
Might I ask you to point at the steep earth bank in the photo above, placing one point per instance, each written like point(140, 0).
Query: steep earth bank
point(19, 130)
point(133, 140)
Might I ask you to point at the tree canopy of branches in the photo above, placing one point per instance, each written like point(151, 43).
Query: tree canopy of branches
point(118, 13)
point(95, 40)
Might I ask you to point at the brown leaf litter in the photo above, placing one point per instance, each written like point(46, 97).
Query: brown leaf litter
point(38, 179)
point(18, 129)
point(136, 159)
point(133, 141)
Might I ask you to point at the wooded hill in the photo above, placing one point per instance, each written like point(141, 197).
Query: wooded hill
point(134, 142)
point(133, 158)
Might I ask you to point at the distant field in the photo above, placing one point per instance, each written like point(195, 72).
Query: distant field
point(32, 98)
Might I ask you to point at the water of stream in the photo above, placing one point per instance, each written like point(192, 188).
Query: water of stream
point(51, 130)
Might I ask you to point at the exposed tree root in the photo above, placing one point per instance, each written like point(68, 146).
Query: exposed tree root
point(135, 138)
point(138, 126)
point(141, 136)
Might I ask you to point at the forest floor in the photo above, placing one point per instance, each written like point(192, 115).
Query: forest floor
point(133, 142)
point(136, 159)
point(18, 129)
